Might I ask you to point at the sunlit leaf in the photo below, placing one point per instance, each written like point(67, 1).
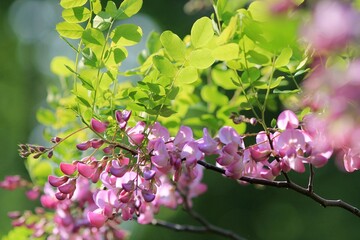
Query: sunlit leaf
point(72, 3)
point(58, 66)
point(223, 77)
point(128, 8)
point(226, 52)
point(201, 58)
point(69, 30)
point(284, 58)
point(111, 9)
point(126, 34)
point(201, 32)
point(102, 21)
point(76, 15)
point(93, 37)
point(174, 46)
point(187, 75)
point(153, 42)
point(164, 66)
point(211, 94)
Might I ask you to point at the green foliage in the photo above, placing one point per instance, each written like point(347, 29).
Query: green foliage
point(230, 62)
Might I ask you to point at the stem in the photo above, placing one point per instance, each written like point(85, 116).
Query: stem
point(293, 186)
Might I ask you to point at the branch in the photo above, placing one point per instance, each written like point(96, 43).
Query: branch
point(208, 226)
point(194, 229)
point(290, 185)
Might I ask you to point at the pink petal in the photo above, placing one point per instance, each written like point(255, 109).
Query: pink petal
point(98, 126)
point(96, 219)
point(67, 168)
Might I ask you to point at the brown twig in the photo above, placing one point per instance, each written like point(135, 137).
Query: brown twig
point(293, 186)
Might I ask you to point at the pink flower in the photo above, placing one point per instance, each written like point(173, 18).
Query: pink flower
point(98, 126)
point(351, 160)
point(288, 145)
point(287, 120)
point(161, 156)
point(135, 134)
point(191, 153)
point(122, 117)
point(207, 144)
point(96, 219)
point(183, 136)
point(333, 25)
point(228, 135)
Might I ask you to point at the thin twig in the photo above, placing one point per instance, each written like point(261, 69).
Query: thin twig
point(290, 185)
point(207, 225)
point(311, 179)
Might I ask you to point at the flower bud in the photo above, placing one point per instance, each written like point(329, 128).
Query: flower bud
point(68, 187)
point(57, 181)
point(149, 174)
point(96, 143)
point(148, 196)
point(96, 219)
point(98, 126)
point(67, 168)
point(83, 146)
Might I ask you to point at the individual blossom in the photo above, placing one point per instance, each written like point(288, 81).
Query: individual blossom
point(98, 126)
point(122, 117)
point(207, 144)
point(136, 134)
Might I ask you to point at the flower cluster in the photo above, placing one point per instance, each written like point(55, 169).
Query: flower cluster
point(332, 90)
point(69, 220)
point(160, 170)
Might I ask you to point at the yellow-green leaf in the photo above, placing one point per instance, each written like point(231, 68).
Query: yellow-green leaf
point(58, 66)
point(201, 58)
point(173, 45)
point(201, 32)
point(93, 37)
point(126, 35)
point(187, 75)
point(69, 30)
point(211, 94)
point(76, 15)
point(284, 58)
point(128, 8)
point(164, 66)
point(226, 52)
point(72, 3)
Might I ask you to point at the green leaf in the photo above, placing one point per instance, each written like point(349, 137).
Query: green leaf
point(83, 101)
point(265, 85)
point(93, 37)
point(226, 52)
point(211, 94)
point(251, 75)
point(45, 116)
point(126, 34)
point(58, 66)
point(96, 6)
point(187, 75)
point(111, 9)
point(164, 66)
point(284, 58)
point(173, 45)
point(69, 30)
point(90, 58)
point(72, 3)
point(128, 8)
point(173, 93)
point(229, 31)
point(86, 79)
point(257, 58)
point(223, 77)
point(119, 55)
point(278, 91)
point(76, 15)
point(102, 21)
point(201, 58)
point(153, 42)
point(201, 32)
point(273, 123)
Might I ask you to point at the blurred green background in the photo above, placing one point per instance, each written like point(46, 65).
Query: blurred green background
point(28, 41)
